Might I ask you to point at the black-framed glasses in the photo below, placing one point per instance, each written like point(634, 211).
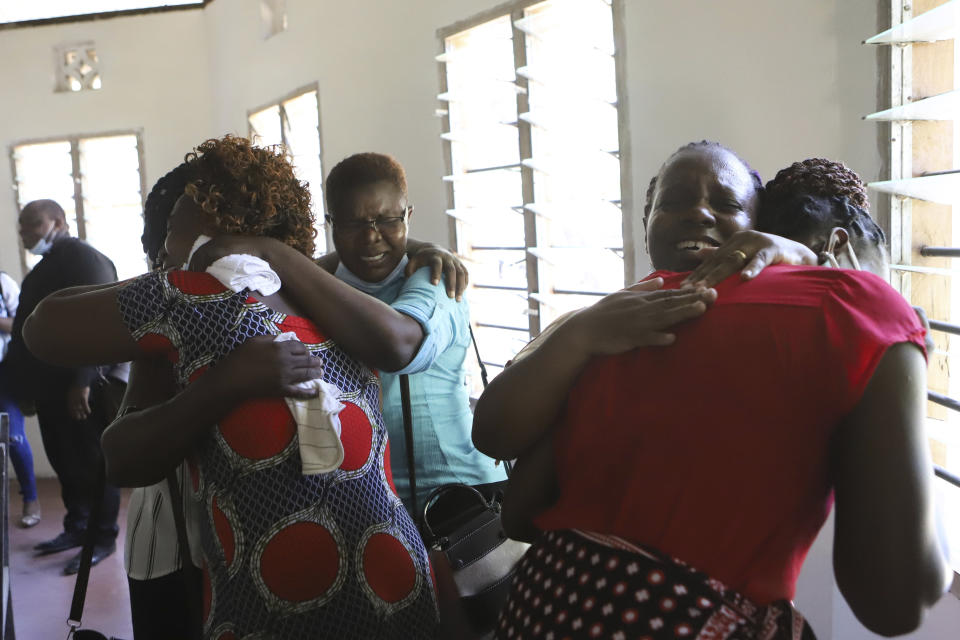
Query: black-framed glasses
point(384, 225)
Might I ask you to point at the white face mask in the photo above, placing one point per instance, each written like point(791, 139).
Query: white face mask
point(199, 242)
point(43, 244)
point(827, 256)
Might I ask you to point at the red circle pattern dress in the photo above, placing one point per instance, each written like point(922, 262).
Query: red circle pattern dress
point(286, 555)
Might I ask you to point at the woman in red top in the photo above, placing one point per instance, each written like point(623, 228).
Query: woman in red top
point(733, 480)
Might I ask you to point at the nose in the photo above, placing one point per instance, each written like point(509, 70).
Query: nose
point(702, 214)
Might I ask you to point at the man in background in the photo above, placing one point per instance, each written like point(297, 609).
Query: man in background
point(73, 405)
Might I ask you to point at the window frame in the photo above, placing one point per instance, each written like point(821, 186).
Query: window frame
point(515, 11)
point(74, 140)
point(896, 70)
point(296, 93)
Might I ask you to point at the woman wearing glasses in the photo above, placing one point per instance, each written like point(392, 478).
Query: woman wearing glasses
point(369, 212)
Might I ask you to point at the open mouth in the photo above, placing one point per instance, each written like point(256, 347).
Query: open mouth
point(697, 245)
point(373, 259)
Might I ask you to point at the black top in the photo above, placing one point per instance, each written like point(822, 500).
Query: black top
point(70, 262)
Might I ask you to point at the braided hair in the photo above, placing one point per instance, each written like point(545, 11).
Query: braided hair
point(818, 177)
point(158, 206)
point(695, 146)
point(811, 197)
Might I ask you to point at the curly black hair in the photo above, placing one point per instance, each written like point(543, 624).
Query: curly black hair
point(815, 195)
point(158, 206)
point(693, 146)
point(251, 190)
point(818, 177)
point(361, 170)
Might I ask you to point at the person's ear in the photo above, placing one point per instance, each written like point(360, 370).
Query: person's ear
point(837, 241)
point(409, 213)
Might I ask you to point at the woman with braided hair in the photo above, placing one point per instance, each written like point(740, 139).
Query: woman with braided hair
point(664, 498)
point(289, 551)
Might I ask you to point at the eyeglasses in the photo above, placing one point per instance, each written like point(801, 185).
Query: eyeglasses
point(384, 225)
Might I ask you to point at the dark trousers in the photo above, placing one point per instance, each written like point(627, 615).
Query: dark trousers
point(159, 607)
point(73, 448)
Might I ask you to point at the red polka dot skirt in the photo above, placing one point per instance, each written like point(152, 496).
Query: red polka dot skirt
point(578, 585)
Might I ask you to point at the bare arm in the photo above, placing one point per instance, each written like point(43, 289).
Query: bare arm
point(141, 447)
point(422, 254)
point(532, 489)
point(365, 327)
point(51, 332)
point(520, 405)
point(886, 559)
point(6, 325)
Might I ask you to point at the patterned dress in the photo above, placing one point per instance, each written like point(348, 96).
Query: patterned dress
point(286, 556)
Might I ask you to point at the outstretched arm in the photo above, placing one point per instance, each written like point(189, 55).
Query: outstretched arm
point(142, 446)
point(80, 327)
point(519, 406)
point(886, 558)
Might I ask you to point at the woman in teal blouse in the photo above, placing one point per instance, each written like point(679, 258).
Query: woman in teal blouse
point(369, 213)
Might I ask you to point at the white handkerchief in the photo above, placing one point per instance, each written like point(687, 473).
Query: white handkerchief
point(242, 271)
point(318, 423)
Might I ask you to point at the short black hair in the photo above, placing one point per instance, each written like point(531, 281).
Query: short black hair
point(361, 170)
point(158, 206)
point(801, 215)
point(696, 146)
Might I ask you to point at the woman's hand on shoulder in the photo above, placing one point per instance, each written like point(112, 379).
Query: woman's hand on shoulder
point(748, 252)
point(638, 316)
point(441, 263)
point(263, 367)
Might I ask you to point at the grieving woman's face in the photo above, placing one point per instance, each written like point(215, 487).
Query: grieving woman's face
point(702, 197)
point(183, 227)
point(370, 234)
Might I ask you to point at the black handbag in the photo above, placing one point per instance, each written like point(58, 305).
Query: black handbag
point(472, 558)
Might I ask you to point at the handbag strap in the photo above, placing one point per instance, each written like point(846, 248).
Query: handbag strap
point(86, 553)
point(476, 350)
point(507, 464)
point(408, 436)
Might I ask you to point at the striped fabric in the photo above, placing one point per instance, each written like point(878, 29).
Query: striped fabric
point(151, 549)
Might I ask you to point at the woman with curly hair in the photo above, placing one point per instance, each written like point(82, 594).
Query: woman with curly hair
point(287, 552)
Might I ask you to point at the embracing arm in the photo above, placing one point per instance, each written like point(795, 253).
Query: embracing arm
point(363, 326)
point(422, 254)
point(748, 252)
point(532, 489)
point(78, 327)
point(521, 403)
point(886, 559)
point(141, 447)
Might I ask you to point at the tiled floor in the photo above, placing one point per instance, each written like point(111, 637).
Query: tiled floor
point(42, 594)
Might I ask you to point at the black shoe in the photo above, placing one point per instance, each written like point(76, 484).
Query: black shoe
point(100, 551)
point(64, 541)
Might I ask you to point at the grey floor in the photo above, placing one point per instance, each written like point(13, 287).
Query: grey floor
point(42, 594)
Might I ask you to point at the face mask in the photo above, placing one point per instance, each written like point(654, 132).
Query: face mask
point(827, 256)
point(43, 244)
point(199, 242)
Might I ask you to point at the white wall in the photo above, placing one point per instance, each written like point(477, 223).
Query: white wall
point(155, 78)
point(777, 81)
